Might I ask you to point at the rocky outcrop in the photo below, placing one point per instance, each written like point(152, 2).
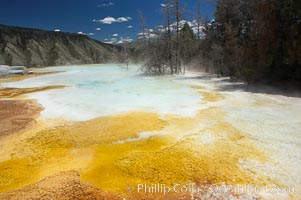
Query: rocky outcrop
point(32, 47)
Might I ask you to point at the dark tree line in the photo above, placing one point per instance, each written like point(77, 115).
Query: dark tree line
point(256, 40)
point(251, 40)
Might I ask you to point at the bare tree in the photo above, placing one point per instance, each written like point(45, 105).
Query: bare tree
point(167, 36)
point(178, 13)
point(198, 19)
point(188, 45)
point(142, 23)
point(126, 55)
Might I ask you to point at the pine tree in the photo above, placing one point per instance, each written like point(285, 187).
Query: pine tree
point(187, 44)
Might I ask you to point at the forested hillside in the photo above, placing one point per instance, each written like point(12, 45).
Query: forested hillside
point(250, 40)
point(256, 40)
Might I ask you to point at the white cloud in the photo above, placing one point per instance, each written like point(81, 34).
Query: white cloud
point(98, 29)
point(106, 4)
point(123, 19)
point(83, 33)
point(124, 40)
point(152, 35)
point(164, 5)
point(160, 29)
point(121, 40)
point(193, 25)
point(107, 20)
point(57, 30)
point(111, 20)
point(128, 39)
point(149, 34)
point(115, 35)
point(111, 41)
point(130, 26)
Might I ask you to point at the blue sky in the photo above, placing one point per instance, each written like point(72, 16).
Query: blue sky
point(78, 15)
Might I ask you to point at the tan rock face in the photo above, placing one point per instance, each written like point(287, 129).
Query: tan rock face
point(30, 47)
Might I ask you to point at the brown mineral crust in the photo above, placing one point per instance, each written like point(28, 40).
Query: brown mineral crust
point(17, 115)
point(65, 185)
point(14, 92)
